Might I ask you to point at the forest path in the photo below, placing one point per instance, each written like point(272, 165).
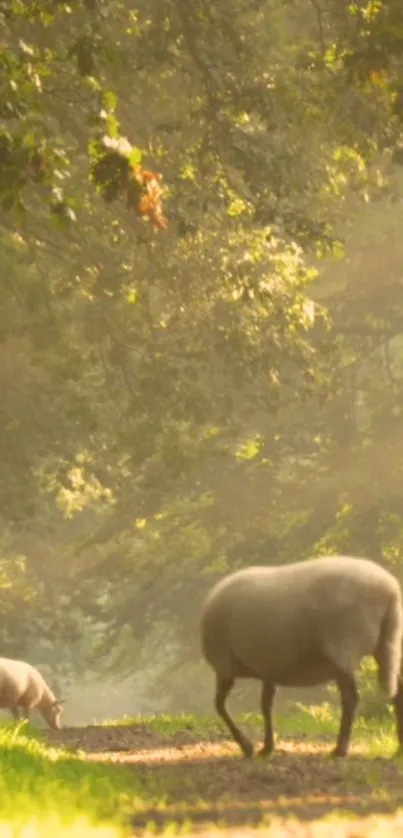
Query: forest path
point(205, 784)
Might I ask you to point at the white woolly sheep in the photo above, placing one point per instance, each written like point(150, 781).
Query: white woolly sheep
point(23, 688)
point(301, 625)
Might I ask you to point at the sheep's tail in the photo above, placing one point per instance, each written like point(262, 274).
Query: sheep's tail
point(389, 650)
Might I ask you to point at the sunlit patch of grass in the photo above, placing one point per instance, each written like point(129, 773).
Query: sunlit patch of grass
point(373, 736)
point(50, 792)
point(300, 721)
point(53, 827)
point(309, 722)
point(170, 724)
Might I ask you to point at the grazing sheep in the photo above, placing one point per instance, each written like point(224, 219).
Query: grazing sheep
point(301, 625)
point(22, 687)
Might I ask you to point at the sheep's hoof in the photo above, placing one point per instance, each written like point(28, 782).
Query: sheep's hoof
point(247, 749)
point(338, 752)
point(265, 751)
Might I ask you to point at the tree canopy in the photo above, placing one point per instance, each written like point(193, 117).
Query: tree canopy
point(200, 325)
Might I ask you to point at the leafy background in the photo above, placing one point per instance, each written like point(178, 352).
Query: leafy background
point(201, 319)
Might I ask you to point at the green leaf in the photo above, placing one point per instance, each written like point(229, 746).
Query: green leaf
point(135, 156)
point(110, 100)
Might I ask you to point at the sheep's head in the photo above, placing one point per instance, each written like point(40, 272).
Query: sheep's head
point(53, 713)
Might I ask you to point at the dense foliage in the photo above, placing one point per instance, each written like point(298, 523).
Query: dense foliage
point(200, 308)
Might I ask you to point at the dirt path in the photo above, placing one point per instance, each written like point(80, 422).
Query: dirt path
point(201, 781)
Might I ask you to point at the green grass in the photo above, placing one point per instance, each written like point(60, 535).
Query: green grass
point(57, 794)
point(170, 725)
point(315, 722)
point(51, 793)
point(376, 737)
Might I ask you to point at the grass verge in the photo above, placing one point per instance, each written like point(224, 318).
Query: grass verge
point(52, 794)
point(376, 737)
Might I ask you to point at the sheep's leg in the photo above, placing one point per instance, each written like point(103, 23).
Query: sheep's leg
point(266, 704)
point(398, 707)
point(223, 689)
point(397, 702)
point(349, 700)
point(15, 712)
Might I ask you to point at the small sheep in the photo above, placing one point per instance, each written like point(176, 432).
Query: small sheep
point(301, 625)
point(22, 687)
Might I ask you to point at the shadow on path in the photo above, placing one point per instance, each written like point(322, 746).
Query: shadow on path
point(208, 783)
